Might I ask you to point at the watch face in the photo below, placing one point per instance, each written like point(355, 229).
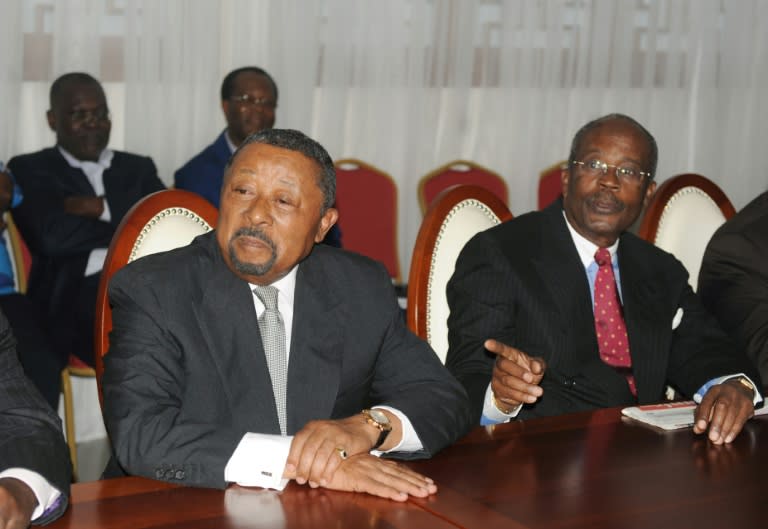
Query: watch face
point(379, 416)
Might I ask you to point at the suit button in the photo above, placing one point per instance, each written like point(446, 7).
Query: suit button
point(169, 474)
point(569, 382)
point(179, 474)
point(159, 473)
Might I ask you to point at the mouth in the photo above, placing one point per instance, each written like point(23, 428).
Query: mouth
point(256, 243)
point(604, 204)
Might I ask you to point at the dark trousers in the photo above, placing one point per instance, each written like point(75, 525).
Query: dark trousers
point(42, 362)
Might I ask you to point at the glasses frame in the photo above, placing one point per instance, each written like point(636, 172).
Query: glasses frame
point(246, 100)
point(603, 167)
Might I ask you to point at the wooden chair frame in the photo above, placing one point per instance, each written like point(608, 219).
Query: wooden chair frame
point(445, 205)
point(136, 224)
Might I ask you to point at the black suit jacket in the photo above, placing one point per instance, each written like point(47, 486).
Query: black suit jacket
point(59, 242)
point(523, 283)
point(30, 432)
point(733, 280)
point(186, 376)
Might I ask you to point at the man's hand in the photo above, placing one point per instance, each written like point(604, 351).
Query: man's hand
point(516, 376)
point(724, 410)
point(380, 477)
point(84, 206)
point(17, 503)
point(314, 454)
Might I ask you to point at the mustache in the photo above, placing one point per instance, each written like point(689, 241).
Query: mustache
point(254, 232)
point(605, 198)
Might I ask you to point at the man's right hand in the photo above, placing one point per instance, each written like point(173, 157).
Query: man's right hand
point(17, 503)
point(84, 206)
point(516, 376)
point(380, 477)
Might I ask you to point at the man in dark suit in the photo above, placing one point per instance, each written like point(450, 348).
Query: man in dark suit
point(733, 280)
point(523, 335)
point(248, 100)
point(75, 195)
point(35, 470)
point(202, 335)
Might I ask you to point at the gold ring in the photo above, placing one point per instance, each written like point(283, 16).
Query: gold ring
point(342, 453)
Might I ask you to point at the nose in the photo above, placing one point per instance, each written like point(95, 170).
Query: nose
point(259, 211)
point(609, 177)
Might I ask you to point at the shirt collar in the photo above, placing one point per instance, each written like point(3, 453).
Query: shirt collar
point(104, 161)
point(587, 248)
point(230, 143)
point(286, 288)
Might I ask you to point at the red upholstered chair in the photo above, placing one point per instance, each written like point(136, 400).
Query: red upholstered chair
point(455, 215)
point(159, 222)
point(550, 183)
point(682, 216)
point(460, 172)
point(366, 198)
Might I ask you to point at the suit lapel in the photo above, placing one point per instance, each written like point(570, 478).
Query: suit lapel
point(644, 300)
point(227, 317)
point(314, 366)
point(75, 183)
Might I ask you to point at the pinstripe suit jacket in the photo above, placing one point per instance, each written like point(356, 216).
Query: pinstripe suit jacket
point(30, 433)
point(523, 283)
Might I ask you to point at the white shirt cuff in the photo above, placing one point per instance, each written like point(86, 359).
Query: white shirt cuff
point(259, 461)
point(106, 215)
point(45, 493)
point(409, 442)
point(757, 399)
point(494, 414)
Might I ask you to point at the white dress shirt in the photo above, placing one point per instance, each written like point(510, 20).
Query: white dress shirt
point(259, 459)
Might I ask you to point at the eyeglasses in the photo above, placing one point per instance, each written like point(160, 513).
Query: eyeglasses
point(628, 173)
point(246, 100)
point(97, 115)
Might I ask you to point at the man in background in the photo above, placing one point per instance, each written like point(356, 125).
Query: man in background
point(733, 280)
point(35, 470)
point(248, 100)
point(75, 195)
point(563, 310)
point(41, 362)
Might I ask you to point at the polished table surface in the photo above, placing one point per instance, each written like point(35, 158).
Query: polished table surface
point(588, 470)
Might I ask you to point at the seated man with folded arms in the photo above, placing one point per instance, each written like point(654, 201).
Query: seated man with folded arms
point(75, 195)
point(733, 280)
point(563, 310)
point(35, 470)
point(254, 355)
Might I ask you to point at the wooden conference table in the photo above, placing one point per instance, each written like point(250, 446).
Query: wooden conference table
point(587, 470)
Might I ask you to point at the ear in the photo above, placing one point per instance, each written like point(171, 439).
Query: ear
point(326, 223)
point(225, 106)
point(649, 191)
point(565, 176)
point(51, 117)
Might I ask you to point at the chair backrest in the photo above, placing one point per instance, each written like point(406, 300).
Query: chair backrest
point(21, 260)
point(454, 217)
point(682, 216)
point(550, 184)
point(159, 222)
point(366, 198)
point(456, 173)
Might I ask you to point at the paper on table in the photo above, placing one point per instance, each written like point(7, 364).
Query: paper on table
point(669, 416)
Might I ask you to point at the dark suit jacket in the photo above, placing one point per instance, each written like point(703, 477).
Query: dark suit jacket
point(186, 376)
point(204, 175)
point(30, 432)
point(733, 281)
point(59, 242)
point(523, 283)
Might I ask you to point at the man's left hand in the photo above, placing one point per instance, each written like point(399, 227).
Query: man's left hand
point(17, 503)
point(315, 450)
point(724, 410)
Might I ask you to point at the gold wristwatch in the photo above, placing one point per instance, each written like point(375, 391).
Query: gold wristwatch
point(378, 419)
point(744, 381)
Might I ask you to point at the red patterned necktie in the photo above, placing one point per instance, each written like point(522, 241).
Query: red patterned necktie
point(609, 321)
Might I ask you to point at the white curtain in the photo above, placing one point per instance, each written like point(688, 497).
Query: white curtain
point(409, 85)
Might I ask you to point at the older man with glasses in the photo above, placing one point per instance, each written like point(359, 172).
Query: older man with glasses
point(562, 310)
point(75, 195)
